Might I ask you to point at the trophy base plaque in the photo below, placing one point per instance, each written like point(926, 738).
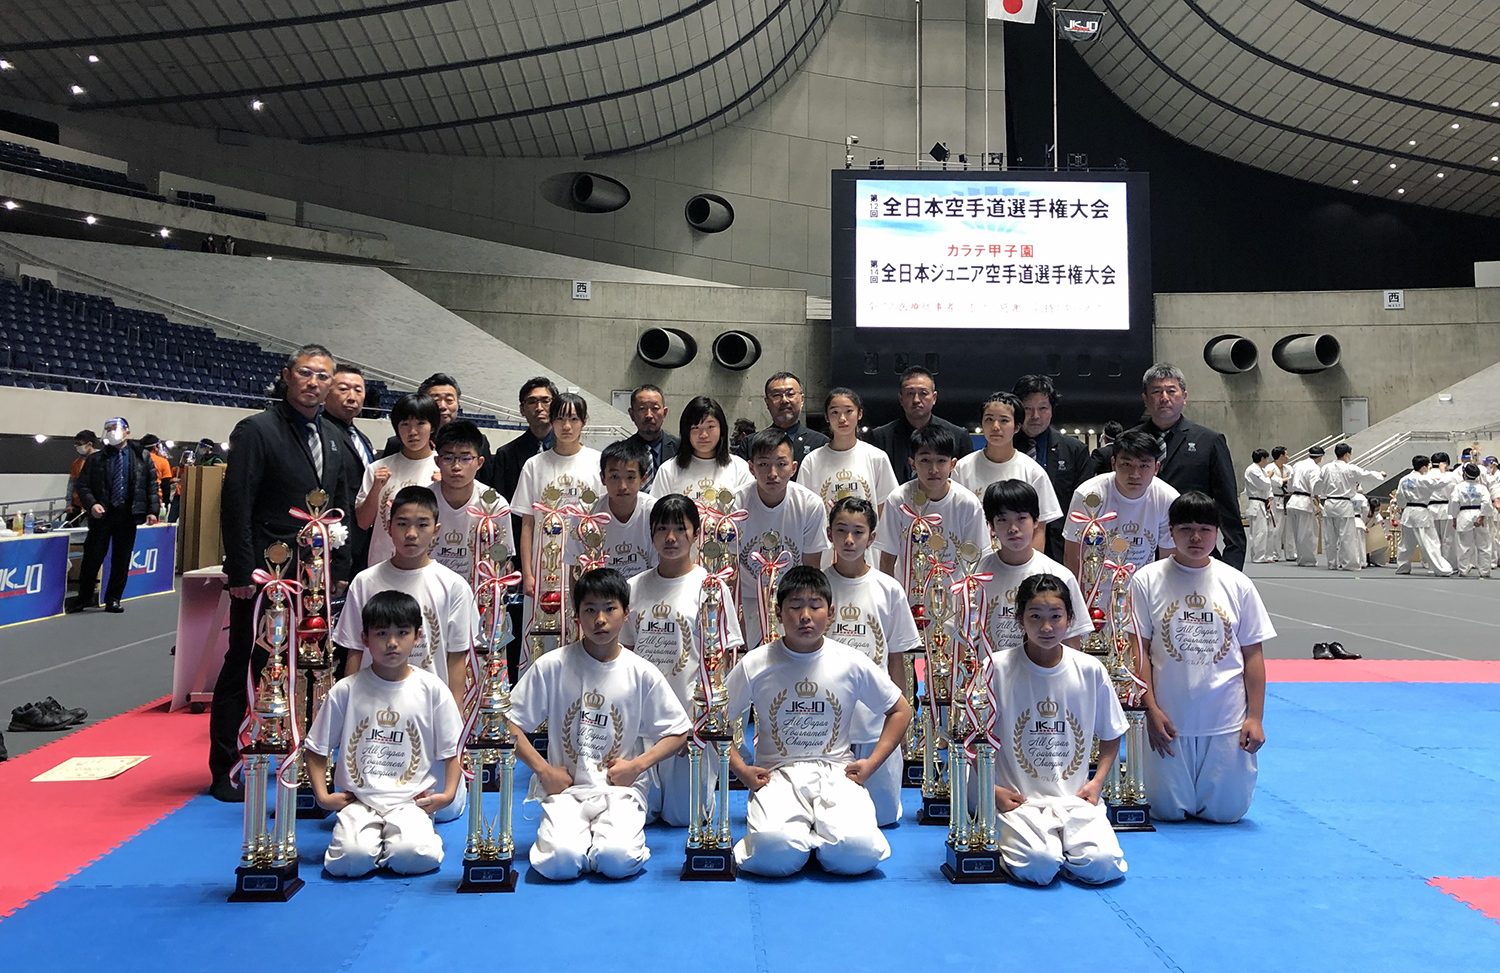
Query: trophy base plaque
point(488, 875)
point(1130, 817)
point(973, 867)
point(266, 884)
point(911, 773)
point(307, 805)
point(489, 777)
point(539, 740)
point(934, 810)
point(709, 865)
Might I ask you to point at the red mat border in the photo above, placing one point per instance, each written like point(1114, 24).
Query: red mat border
point(1383, 670)
point(1480, 894)
point(140, 798)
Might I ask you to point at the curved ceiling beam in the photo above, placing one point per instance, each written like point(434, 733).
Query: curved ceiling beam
point(801, 39)
point(216, 29)
point(1286, 65)
point(1392, 35)
point(559, 106)
point(1281, 126)
point(376, 78)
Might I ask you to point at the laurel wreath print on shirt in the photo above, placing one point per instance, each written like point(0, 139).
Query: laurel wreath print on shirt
point(1228, 634)
point(775, 727)
point(356, 776)
point(1016, 748)
point(570, 727)
point(1166, 632)
point(1079, 750)
point(614, 749)
point(879, 638)
point(838, 718)
point(416, 753)
point(685, 636)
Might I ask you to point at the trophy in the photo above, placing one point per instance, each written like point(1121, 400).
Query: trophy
point(769, 571)
point(973, 845)
point(937, 684)
point(1093, 538)
point(1393, 516)
point(489, 849)
point(314, 651)
point(491, 596)
point(268, 858)
point(919, 559)
point(718, 554)
point(710, 846)
point(551, 615)
point(1124, 790)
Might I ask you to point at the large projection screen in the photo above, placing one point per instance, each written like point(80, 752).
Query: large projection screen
point(983, 276)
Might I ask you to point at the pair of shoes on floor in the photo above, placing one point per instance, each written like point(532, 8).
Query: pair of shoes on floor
point(227, 791)
point(48, 714)
point(1333, 650)
point(113, 607)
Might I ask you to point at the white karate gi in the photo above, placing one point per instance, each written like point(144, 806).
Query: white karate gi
point(1284, 539)
point(1339, 484)
point(1302, 512)
point(1258, 490)
point(1442, 491)
point(1413, 496)
point(364, 839)
point(1470, 502)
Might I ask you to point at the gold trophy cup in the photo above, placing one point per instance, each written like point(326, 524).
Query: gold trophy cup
point(489, 849)
point(314, 651)
point(1124, 790)
point(973, 845)
point(710, 845)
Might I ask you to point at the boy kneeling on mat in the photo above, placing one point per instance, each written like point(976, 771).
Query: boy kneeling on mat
point(808, 791)
point(392, 724)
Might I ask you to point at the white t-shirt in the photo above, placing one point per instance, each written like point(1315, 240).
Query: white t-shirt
point(975, 473)
point(963, 520)
point(863, 472)
point(392, 737)
point(627, 544)
point(1196, 620)
point(702, 479)
point(404, 473)
point(663, 627)
point(1047, 719)
point(596, 711)
point(870, 613)
point(805, 702)
point(1000, 598)
point(797, 525)
point(450, 617)
point(1143, 522)
point(575, 480)
point(457, 530)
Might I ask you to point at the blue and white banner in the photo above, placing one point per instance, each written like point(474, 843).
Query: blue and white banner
point(33, 577)
point(153, 562)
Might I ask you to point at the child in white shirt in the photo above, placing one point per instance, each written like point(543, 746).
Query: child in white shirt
point(622, 516)
point(848, 466)
point(1135, 496)
point(807, 794)
point(1000, 460)
point(703, 468)
point(414, 417)
point(392, 726)
point(611, 717)
point(460, 456)
point(1010, 506)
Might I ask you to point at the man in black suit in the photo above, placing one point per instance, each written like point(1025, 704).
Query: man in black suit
point(648, 410)
point(119, 488)
point(1194, 457)
point(346, 400)
point(536, 408)
point(276, 458)
point(918, 397)
point(445, 392)
point(784, 401)
point(1062, 456)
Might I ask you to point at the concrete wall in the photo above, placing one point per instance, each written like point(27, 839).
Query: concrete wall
point(1395, 358)
point(594, 341)
point(771, 165)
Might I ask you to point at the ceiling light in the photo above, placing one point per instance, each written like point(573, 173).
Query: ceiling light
point(5, 65)
point(12, 204)
point(1356, 182)
point(1495, 104)
point(1393, 165)
point(1454, 125)
point(223, 445)
point(163, 233)
point(1495, 158)
point(257, 105)
point(91, 220)
point(1411, 141)
point(40, 438)
point(93, 59)
point(77, 90)
point(1440, 175)
point(1401, 191)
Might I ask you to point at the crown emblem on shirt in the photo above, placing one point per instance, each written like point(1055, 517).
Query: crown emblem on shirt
point(623, 549)
point(706, 483)
point(1195, 600)
point(1010, 596)
point(387, 717)
point(661, 611)
point(849, 613)
point(453, 538)
point(565, 481)
point(845, 474)
point(1131, 528)
point(593, 699)
point(1047, 708)
point(807, 689)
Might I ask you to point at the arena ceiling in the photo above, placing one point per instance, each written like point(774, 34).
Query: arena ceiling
point(1401, 95)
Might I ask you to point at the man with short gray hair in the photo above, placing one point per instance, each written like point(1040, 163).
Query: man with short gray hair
point(1194, 457)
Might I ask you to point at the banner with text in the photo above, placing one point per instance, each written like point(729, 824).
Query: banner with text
point(33, 577)
point(153, 562)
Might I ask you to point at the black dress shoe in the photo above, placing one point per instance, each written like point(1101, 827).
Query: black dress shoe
point(74, 715)
point(1320, 651)
point(33, 717)
point(114, 608)
point(1337, 651)
point(225, 790)
point(77, 605)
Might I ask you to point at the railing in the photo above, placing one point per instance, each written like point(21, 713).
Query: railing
point(1325, 442)
point(49, 509)
point(108, 386)
point(1382, 449)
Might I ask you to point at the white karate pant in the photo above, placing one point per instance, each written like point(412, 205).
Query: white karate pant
point(1304, 527)
point(883, 786)
point(808, 807)
point(1047, 834)
point(1427, 539)
point(1286, 537)
point(1260, 532)
point(1208, 777)
point(1473, 550)
point(401, 839)
point(1492, 522)
point(1343, 543)
point(594, 829)
point(669, 798)
point(1445, 532)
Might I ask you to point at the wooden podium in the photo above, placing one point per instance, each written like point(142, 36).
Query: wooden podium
point(199, 544)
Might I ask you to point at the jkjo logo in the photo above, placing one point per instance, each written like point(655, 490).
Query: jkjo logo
point(13, 582)
point(141, 562)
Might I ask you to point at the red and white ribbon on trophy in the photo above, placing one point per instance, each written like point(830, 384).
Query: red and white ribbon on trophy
point(538, 547)
point(932, 523)
point(290, 589)
point(1079, 517)
point(1124, 572)
point(768, 570)
point(716, 626)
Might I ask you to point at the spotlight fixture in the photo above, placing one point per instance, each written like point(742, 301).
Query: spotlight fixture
point(1454, 126)
point(5, 65)
point(1411, 141)
point(850, 141)
point(1401, 192)
point(1356, 182)
point(257, 105)
point(939, 151)
point(997, 160)
point(1393, 165)
point(77, 90)
point(93, 59)
point(1078, 160)
point(878, 162)
point(1495, 158)
point(1440, 175)
point(40, 438)
point(91, 220)
point(12, 204)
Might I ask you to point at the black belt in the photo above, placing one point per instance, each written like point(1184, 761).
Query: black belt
point(1326, 499)
point(1299, 493)
point(1475, 507)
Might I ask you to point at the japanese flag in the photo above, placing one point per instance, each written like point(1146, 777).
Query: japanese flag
point(1021, 11)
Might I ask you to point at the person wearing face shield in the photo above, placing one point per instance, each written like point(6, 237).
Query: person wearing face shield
point(84, 444)
point(119, 489)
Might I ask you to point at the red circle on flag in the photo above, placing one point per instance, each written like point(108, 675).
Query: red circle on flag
point(1014, 6)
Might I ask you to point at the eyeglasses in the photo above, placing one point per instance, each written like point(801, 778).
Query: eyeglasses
point(303, 372)
point(783, 394)
point(537, 400)
point(448, 459)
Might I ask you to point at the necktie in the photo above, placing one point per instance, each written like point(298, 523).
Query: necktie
point(119, 477)
point(364, 452)
point(315, 446)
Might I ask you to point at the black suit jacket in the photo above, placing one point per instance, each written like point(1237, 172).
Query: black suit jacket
point(1066, 464)
point(670, 444)
point(804, 441)
point(270, 471)
point(893, 439)
point(142, 488)
point(359, 537)
point(1197, 458)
